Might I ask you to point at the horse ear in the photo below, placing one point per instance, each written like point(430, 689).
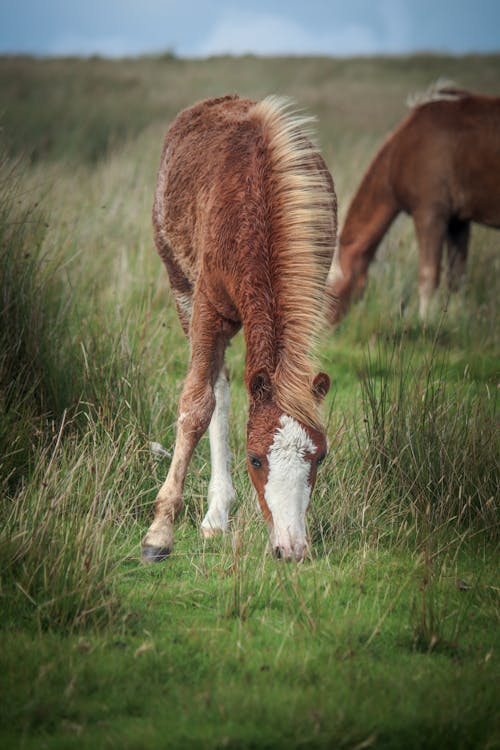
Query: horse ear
point(260, 385)
point(320, 385)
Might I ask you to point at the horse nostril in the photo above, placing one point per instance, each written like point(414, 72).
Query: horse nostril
point(277, 552)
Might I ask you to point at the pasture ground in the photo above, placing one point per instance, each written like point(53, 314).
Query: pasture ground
point(388, 637)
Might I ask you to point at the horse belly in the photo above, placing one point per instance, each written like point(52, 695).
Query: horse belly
point(478, 196)
point(476, 168)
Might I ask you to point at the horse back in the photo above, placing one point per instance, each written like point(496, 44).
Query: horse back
point(447, 153)
point(211, 203)
point(190, 174)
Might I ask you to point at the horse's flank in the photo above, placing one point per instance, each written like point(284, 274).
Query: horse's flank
point(251, 215)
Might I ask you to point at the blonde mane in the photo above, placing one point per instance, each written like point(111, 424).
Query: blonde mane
point(441, 90)
point(303, 222)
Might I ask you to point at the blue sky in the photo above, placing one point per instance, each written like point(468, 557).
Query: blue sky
point(196, 28)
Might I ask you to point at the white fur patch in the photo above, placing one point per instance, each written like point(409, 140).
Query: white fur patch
point(288, 489)
point(220, 490)
point(335, 273)
point(185, 304)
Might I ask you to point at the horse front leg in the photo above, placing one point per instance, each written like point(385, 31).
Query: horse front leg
point(220, 490)
point(196, 406)
point(346, 282)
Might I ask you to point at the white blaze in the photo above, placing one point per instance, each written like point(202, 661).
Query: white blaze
point(288, 488)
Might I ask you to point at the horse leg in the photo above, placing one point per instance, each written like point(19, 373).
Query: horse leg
point(431, 229)
point(346, 282)
point(458, 246)
point(220, 490)
point(181, 288)
point(196, 405)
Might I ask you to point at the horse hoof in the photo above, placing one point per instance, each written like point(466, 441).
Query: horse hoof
point(155, 554)
point(209, 532)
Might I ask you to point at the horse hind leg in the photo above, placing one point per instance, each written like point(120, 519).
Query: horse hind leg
point(184, 305)
point(430, 234)
point(457, 241)
point(220, 490)
point(182, 291)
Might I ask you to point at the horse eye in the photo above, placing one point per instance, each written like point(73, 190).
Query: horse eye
point(256, 463)
point(321, 458)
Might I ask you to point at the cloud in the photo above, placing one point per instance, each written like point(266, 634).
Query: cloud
point(240, 32)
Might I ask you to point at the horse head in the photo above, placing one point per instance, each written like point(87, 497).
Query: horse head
point(283, 455)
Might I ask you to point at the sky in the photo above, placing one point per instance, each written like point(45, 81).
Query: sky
point(199, 28)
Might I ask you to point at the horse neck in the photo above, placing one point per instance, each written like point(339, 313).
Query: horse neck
point(372, 209)
point(261, 337)
point(280, 352)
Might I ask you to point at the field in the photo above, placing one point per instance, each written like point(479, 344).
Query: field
point(388, 637)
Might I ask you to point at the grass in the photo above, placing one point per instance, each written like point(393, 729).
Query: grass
point(388, 636)
point(324, 656)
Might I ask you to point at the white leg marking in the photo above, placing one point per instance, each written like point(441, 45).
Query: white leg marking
point(335, 273)
point(220, 490)
point(161, 532)
point(426, 290)
point(288, 489)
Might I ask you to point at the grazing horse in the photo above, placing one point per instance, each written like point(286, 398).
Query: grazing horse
point(245, 221)
point(441, 165)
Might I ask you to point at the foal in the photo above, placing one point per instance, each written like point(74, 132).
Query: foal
point(245, 221)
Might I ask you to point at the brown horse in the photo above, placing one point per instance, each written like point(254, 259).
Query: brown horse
point(245, 222)
point(442, 166)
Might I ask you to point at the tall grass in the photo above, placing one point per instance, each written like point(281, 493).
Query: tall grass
point(25, 388)
point(420, 458)
point(74, 462)
point(434, 446)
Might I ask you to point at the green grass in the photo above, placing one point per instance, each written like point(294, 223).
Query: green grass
point(388, 637)
point(324, 655)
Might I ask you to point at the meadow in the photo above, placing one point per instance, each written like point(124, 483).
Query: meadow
point(388, 636)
